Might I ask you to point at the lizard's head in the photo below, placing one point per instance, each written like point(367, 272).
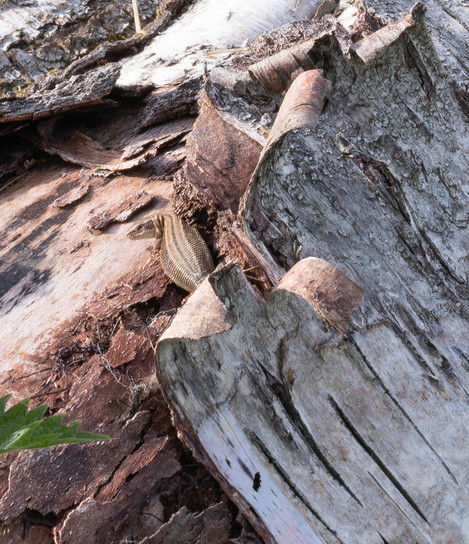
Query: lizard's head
point(144, 229)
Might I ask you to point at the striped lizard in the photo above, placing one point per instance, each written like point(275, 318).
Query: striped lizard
point(185, 257)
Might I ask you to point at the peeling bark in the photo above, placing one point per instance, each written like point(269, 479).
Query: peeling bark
point(327, 395)
point(92, 89)
point(353, 439)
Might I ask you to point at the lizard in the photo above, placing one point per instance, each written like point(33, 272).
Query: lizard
point(185, 257)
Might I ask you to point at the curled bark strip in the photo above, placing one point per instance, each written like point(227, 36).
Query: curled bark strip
point(331, 293)
point(376, 45)
point(275, 73)
point(302, 105)
point(139, 148)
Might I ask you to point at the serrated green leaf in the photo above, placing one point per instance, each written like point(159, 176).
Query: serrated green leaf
point(20, 429)
point(36, 413)
point(3, 403)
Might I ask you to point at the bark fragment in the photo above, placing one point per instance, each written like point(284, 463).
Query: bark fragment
point(372, 47)
point(108, 515)
point(220, 159)
point(81, 92)
point(73, 196)
point(328, 290)
point(122, 212)
point(211, 525)
point(275, 73)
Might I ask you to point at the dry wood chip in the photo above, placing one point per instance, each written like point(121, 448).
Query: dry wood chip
point(120, 213)
point(72, 196)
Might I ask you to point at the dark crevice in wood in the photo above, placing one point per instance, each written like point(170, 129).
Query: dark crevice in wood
point(371, 452)
point(396, 505)
point(419, 257)
point(379, 381)
point(391, 189)
point(283, 395)
point(256, 482)
point(448, 371)
point(393, 320)
point(420, 125)
point(414, 62)
point(461, 93)
point(383, 539)
point(463, 356)
point(439, 258)
point(432, 372)
point(33, 517)
point(378, 173)
point(286, 479)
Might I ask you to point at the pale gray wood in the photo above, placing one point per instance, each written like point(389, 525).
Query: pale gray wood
point(180, 52)
point(361, 436)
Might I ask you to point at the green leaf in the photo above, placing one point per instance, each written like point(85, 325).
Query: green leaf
point(23, 430)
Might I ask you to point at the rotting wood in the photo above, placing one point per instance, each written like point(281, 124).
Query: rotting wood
point(90, 521)
point(81, 92)
point(301, 108)
point(449, 25)
point(211, 525)
point(221, 171)
point(113, 50)
point(355, 439)
point(137, 148)
point(416, 386)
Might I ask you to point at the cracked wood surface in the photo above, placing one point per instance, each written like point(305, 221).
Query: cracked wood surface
point(323, 439)
point(336, 411)
point(56, 269)
point(343, 426)
point(81, 307)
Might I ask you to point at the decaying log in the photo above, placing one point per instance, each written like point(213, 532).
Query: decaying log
point(314, 464)
point(357, 434)
point(327, 395)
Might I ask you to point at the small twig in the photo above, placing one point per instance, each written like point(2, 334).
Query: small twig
point(138, 27)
